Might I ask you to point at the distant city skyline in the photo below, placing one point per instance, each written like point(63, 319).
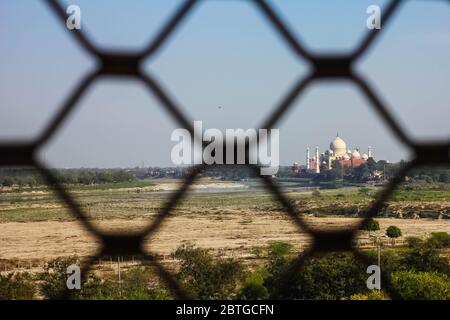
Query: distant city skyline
point(226, 67)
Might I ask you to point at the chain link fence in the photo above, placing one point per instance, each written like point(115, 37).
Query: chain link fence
point(129, 64)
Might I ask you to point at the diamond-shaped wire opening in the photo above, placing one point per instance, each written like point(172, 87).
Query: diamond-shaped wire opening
point(420, 205)
point(348, 183)
point(327, 27)
point(234, 221)
point(227, 216)
point(412, 230)
point(31, 64)
point(409, 68)
point(218, 95)
point(109, 27)
point(115, 200)
point(324, 66)
point(39, 230)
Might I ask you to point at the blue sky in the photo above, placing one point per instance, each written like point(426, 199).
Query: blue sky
point(226, 55)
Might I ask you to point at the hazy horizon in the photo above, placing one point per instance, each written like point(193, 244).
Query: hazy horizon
point(242, 67)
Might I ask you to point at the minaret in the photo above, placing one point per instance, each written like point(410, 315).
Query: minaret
point(317, 160)
point(369, 152)
point(307, 158)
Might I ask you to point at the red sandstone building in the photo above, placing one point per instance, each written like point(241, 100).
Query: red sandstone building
point(337, 152)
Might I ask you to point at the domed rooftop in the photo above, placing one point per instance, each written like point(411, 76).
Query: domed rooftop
point(338, 146)
point(365, 156)
point(356, 154)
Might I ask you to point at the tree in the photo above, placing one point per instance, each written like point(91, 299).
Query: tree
point(424, 256)
point(370, 225)
point(393, 232)
point(332, 276)
point(444, 177)
point(8, 181)
point(422, 285)
point(360, 173)
point(371, 164)
point(206, 278)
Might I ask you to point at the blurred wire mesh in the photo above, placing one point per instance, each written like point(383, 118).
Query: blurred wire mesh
point(128, 64)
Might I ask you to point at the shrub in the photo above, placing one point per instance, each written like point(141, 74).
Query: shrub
point(16, 287)
point(422, 285)
point(316, 194)
point(414, 242)
point(364, 191)
point(391, 259)
point(331, 276)
point(8, 181)
point(425, 257)
point(96, 289)
point(279, 248)
point(136, 286)
point(258, 252)
point(207, 278)
point(55, 276)
point(444, 177)
point(253, 287)
point(372, 295)
point(439, 239)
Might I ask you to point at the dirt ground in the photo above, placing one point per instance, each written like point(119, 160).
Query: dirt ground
point(234, 234)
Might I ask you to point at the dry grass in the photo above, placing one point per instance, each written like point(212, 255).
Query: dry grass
point(37, 227)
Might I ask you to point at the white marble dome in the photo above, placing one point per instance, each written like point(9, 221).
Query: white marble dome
point(338, 146)
point(356, 154)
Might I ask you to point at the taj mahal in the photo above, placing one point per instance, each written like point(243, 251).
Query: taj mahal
point(338, 151)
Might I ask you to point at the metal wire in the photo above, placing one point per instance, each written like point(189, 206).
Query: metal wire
point(128, 64)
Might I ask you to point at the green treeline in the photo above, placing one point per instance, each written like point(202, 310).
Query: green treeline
point(25, 177)
point(371, 171)
point(382, 171)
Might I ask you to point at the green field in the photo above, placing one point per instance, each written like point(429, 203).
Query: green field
point(135, 199)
